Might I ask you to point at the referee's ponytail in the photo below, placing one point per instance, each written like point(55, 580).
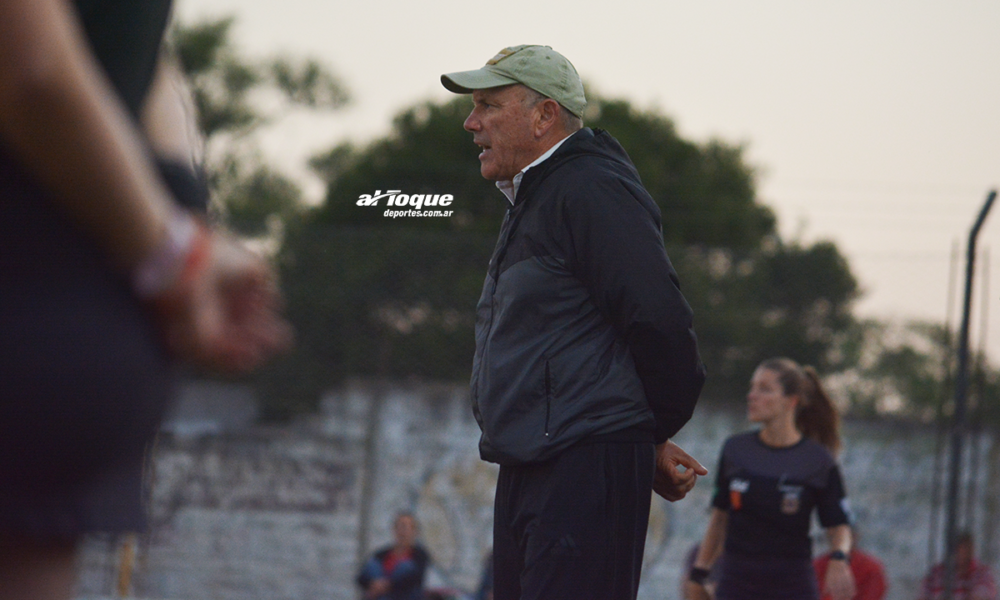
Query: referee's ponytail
point(816, 416)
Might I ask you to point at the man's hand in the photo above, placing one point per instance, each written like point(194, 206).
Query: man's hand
point(669, 481)
point(228, 318)
point(694, 591)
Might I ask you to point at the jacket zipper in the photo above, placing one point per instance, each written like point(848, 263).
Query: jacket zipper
point(496, 275)
point(548, 397)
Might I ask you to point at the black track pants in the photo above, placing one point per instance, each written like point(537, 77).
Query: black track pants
point(573, 527)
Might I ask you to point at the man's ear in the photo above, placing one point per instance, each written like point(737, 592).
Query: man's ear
point(546, 117)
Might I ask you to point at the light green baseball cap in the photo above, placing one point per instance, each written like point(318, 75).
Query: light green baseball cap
point(539, 67)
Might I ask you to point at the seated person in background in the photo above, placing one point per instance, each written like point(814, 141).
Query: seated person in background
point(973, 580)
point(397, 572)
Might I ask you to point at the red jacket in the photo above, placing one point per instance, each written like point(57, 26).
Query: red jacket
point(869, 576)
point(977, 584)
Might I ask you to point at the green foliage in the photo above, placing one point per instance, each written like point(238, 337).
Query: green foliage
point(307, 83)
point(908, 371)
point(220, 80)
point(257, 197)
point(805, 291)
point(706, 193)
point(395, 298)
point(781, 300)
point(227, 89)
point(897, 369)
point(427, 152)
point(374, 302)
point(372, 296)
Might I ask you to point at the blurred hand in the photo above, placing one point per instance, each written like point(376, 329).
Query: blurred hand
point(228, 318)
point(669, 481)
point(694, 591)
point(378, 587)
point(839, 581)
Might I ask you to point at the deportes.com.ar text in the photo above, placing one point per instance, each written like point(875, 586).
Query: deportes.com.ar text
point(417, 213)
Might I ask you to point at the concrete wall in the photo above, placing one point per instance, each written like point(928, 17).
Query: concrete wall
point(286, 513)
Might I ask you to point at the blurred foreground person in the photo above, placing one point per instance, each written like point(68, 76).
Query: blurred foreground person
point(972, 579)
point(105, 276)
point(397, 572)
point(767, 484)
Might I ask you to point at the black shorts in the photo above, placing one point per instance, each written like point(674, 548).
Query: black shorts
point(754, 578)
point(84, 380)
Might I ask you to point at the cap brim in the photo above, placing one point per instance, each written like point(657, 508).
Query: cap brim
point(465, 82)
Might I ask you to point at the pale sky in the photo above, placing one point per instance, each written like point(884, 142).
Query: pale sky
point(872, 123)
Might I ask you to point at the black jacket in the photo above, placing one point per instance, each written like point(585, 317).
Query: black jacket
point(581, 329)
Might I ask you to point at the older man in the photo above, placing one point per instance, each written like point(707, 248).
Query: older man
point(586, 362)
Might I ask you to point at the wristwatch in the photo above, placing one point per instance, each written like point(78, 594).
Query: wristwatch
point(698, 575)
point(840, 555)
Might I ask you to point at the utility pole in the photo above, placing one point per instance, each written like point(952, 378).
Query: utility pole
point(961, 390)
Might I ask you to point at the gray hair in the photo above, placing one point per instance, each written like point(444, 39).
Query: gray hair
point(567, 119)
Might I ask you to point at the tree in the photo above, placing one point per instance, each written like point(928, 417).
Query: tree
point(427, 152)
point(227, 90)
point(394, 298)
point(705, 192)
point(779, 300)
point(372, 303)
point(907, 371)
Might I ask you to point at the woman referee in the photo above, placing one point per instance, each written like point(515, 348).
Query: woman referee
point(768, 483)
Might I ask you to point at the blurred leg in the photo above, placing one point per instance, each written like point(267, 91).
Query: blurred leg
point(31, 570)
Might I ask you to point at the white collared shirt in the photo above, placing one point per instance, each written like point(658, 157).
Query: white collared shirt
point(509, 187)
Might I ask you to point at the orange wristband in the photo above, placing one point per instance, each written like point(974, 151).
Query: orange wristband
point(196, 261)
point(197, 257)
point(177, 261)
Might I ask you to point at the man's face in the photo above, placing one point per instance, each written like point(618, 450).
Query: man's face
point(502, 123)
point(963, 556)
point(405, 529)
